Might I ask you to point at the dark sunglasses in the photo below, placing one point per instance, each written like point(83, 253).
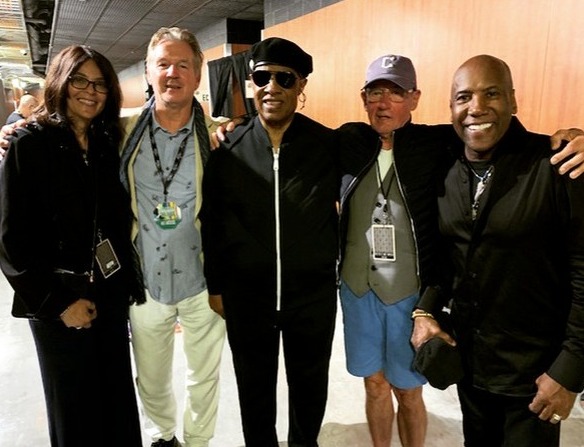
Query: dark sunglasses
point(285, 79)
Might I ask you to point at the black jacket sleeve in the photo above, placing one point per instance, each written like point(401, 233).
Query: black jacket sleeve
point(27, 242)
point(568, 367)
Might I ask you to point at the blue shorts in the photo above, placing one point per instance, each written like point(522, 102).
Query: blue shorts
point(377, 338)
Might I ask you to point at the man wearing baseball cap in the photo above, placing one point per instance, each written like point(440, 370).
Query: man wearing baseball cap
point(387, 239)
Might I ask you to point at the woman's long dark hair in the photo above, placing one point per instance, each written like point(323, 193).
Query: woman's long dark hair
point(67, 63)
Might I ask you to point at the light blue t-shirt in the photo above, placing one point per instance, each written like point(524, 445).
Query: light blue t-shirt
point(171, 258)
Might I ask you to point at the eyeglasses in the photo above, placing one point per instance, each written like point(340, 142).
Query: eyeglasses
point(81, 83)
point(394, 95)
point(285, 79)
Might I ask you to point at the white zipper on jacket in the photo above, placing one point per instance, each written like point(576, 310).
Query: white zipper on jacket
point(276, 167)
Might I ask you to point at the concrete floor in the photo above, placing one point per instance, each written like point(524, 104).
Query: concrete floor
point(23, 420)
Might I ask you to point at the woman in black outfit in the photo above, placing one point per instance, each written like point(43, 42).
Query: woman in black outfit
point(63, 212)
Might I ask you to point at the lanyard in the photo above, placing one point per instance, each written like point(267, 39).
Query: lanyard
point(179, 156)
point(387, 204)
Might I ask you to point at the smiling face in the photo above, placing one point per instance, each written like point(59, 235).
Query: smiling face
point(482, 104)
point(83, 105)
point(385, 116)
point(173, 73)
point(275, 104)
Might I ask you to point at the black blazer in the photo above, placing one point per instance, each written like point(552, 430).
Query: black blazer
point(49, 202)
point(518, 297)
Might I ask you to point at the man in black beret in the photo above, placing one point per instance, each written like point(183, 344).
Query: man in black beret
point(271, 244)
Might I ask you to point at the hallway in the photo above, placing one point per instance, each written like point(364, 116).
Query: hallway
point(22, 413)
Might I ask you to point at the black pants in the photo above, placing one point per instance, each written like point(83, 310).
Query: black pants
point(492, 420)
point(87, 379)
point(254, 337)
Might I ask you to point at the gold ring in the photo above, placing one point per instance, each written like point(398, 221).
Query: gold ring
point(555, 418)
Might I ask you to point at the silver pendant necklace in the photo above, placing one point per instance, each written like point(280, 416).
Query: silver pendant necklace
point(481, 186)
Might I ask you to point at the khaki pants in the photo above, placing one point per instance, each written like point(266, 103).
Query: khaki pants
point(153, 333)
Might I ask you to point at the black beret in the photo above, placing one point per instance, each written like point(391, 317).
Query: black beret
point(439, 362)
point(277, 51)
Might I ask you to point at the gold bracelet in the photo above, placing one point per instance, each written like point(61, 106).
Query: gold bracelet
point(421, 313)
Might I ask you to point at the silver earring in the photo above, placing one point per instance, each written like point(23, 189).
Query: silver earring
point(302, 99)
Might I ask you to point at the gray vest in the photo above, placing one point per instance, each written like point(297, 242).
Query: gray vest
point(390, 280)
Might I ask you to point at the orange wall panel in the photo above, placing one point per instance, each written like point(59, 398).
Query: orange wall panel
point(562, 92)
point(541, 40)
point(134, 91)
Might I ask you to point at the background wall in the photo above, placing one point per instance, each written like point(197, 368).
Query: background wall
point(541, 40)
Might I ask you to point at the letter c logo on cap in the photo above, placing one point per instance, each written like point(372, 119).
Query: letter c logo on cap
point(387, 62)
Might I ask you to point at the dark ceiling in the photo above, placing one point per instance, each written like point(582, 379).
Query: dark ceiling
point(120, 29)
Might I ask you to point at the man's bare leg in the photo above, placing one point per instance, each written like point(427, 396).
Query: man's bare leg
point(412, 419)
point(379, 409)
